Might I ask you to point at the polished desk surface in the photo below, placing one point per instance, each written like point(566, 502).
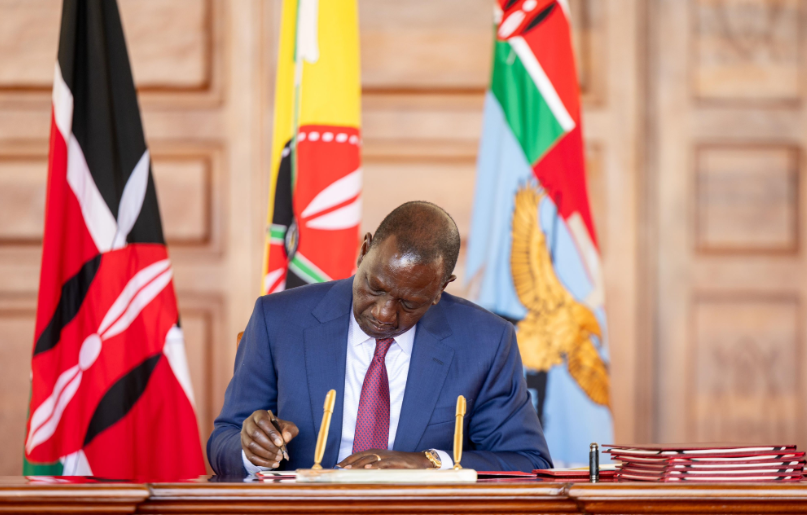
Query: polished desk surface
point(222, 495)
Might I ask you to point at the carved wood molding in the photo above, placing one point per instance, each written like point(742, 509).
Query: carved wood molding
point(208, 92)
point(773, 348)
point(756, 40)
point(205, 157)
point(791, 186)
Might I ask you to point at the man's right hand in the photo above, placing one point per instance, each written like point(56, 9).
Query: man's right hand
point(262, 442)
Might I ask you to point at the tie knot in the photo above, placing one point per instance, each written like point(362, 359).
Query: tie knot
point(381, 347)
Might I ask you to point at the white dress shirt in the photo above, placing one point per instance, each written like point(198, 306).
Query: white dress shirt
point(360, 351)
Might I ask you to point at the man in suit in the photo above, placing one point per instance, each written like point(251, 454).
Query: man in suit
point(397, 350)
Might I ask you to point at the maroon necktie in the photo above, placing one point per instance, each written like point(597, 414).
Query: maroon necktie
point(372, 421)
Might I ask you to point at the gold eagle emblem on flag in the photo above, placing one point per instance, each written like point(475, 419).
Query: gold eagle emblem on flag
point(557, 327)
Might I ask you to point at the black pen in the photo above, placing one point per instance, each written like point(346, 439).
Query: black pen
point(275, 423)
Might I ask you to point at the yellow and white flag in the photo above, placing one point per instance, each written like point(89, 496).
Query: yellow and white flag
point(312, 229)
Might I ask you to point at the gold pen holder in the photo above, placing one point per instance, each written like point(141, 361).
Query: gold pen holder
point(317, 474)
point(458, 437)
point(322, 437)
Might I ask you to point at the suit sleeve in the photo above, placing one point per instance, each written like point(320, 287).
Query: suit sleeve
point(253, 387)
point(504, 430)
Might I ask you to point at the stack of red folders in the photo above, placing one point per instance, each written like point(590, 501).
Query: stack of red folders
point(707, 462)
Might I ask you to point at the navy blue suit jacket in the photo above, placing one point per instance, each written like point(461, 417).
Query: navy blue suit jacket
point(294, 350)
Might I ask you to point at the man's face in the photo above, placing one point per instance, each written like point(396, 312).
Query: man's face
point(391, 291)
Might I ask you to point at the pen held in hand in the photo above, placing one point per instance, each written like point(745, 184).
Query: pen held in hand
point(275, 423)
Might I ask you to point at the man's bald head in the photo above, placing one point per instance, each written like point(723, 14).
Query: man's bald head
point(424, 231)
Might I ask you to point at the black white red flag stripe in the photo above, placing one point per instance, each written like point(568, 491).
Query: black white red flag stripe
point(110, 394)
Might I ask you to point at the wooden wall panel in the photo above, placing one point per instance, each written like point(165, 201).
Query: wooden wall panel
point(22, 197)
point(197, 327)
point(589, 26)
point(449, 184)
point(185, 184)
point(747, 199)
point(432, 119)
point(745, 372)
point(16, 341)
point(747, 50)
point(727, 126)
point(189, 190)
point(425, 44)
point(28, 42)
point(598, 193)
point(179, 62)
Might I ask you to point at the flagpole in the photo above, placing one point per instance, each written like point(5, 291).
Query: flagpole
point(298, 86)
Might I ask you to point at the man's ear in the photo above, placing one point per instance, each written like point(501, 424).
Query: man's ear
point(439, 295)
point(365, 248)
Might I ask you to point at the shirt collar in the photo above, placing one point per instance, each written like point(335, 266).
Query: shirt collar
point(357, 337)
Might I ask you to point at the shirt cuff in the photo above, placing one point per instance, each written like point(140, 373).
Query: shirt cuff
point(445, 459)
point(253, 469)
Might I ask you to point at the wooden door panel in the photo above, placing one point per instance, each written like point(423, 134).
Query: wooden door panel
point(744, 367)
point(746, 51)
point(16, 342)
point(747, 199)
point(727, 127)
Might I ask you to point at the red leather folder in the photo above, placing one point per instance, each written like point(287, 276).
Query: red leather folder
point(707, 462)
point(710, 465)
point(710, 473)
point(694, 450)
point(705, 479)
point(709, 459)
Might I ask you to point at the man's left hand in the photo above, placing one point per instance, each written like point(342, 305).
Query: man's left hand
point(383, 459)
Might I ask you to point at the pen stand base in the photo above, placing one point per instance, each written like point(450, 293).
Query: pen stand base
point(369, 476)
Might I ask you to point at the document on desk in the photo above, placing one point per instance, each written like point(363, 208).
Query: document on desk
point(369, 476)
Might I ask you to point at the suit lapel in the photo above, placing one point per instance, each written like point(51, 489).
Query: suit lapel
point(325, 361)
point(428, 369)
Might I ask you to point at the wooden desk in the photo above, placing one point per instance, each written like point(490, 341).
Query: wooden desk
point(51, 496)
point(308, 498)
point(690, 498)
point(201, 496)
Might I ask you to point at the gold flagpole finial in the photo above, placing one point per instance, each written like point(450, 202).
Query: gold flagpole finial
point(322, 438)
point(458, 432)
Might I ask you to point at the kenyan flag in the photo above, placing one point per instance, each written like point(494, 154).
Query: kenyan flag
point(110, 388)
point(315, 204)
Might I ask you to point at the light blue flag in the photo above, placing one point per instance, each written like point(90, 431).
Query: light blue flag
point(529, 261)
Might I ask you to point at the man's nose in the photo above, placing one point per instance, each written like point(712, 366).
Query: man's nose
point(384, 311)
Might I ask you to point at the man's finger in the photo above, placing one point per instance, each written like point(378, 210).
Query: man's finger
point(263, 453)
point(289, 429)
point(263, 420)
point(367, 459)
point(257, 460)
point(249, 444)
point(252, 432)
point(352, 460)
point(349, 460)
